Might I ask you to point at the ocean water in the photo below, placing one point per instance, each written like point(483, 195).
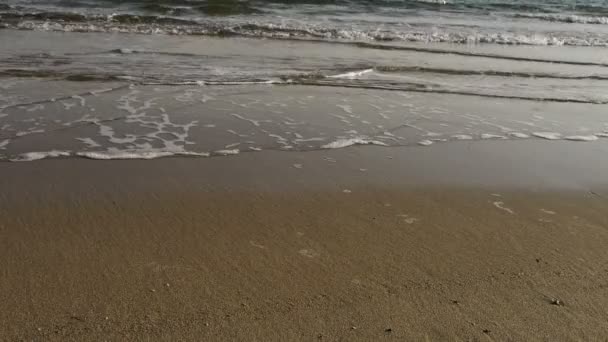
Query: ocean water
point(142, 79)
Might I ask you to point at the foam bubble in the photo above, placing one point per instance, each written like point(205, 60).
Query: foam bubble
point(425, 142)
point(581, 137)
point(462, 137)
point(352, 74)
point(486, 136)
point(547, 135)
point(341, 143)
point(31, 156)
point(122, 154)
point(519, 135)
point(226, 152)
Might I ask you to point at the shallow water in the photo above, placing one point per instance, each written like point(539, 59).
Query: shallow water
point(109, 79)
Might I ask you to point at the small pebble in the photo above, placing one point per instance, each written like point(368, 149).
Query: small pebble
point(556, 301)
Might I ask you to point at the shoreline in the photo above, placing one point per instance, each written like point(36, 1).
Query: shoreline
point(252, 247)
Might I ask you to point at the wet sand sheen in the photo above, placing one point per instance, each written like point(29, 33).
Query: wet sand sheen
point(225, 249)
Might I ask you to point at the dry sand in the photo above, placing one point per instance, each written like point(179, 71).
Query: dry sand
point(252, 248)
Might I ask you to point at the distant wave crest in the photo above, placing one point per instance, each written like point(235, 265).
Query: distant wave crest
point(165, 25)
point(564, 18)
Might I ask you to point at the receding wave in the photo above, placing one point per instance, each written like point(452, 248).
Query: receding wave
point(472, 54)
point(425, 88)
point(353, 78)
point(487, 73)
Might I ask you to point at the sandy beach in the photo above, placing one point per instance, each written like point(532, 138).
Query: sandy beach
point(295, 170)
point(283, 246)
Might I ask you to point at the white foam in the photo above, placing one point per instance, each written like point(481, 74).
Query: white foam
point(425, 142)
point(500, 205)
point(491, 136)
point(226, 152)
point(4, 143)
point(462, 137)
point(519, 135)
point(352, 74)
point(547, 135)
point(115, 154)
point(310, 139)
point(255, 148)
point(31, 156)
point(581, 137)
point(253, 122)
point(21, 134)
point(346, 108)
point(341, 143)
point(82, 100)
point(602, 135)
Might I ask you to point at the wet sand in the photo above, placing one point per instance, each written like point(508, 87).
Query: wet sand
point(487, 241)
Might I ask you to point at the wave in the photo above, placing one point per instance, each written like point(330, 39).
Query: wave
point(564, 18)
point(468, 54)
point(462, 72)
point(351, 80)
point(428, 88)
point(128, 23)
point(367, 45)
point(345, 73)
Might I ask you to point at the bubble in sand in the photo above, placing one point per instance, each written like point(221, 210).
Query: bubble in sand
point(309, 253)
point(407, 218)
